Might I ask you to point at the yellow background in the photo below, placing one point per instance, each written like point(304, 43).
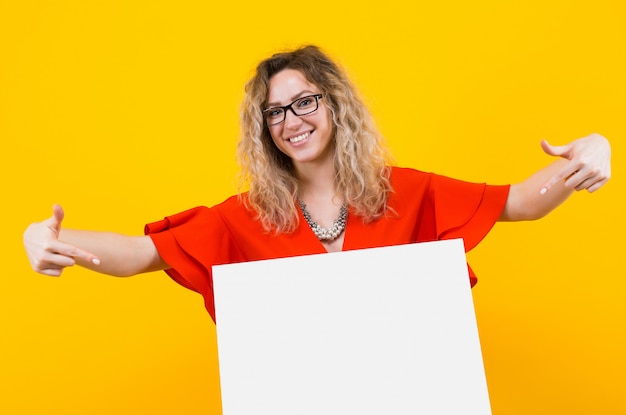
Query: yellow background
point(125, 111)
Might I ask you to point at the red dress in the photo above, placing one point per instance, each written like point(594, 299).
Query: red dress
point(428, 207)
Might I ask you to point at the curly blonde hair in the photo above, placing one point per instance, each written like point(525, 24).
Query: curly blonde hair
point(360, 158)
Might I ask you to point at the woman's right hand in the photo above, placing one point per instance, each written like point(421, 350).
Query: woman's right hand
point(48, 255)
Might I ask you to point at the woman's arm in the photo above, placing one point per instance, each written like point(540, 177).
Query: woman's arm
point(51, 249)
point(584, 164)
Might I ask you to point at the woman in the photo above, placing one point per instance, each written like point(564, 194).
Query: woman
point(319, 181)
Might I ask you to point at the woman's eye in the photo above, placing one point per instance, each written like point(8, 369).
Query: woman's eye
point(274, 113)
point(305, 102)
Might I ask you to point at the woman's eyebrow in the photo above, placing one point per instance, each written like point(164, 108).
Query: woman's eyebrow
point(293, 98)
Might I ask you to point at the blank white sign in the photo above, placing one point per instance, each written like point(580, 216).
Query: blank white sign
point(376, 331)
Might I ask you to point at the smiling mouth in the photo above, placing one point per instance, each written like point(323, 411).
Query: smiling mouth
point(299, 138)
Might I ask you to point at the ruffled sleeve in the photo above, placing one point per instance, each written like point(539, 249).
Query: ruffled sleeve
point(191, 242)
point(440, 207)
point(465, 210)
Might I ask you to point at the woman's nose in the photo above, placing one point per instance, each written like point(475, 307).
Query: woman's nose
point(292, 120)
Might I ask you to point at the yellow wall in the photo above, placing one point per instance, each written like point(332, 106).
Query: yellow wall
point(124, 112)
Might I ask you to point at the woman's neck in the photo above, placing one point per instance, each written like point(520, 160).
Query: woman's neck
point(316, 181)
point(318, 192)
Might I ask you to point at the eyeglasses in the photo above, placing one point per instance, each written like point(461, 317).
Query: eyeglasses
point(301, 106)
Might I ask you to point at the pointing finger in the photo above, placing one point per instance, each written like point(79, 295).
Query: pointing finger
point(74, 252)
point(563, 174)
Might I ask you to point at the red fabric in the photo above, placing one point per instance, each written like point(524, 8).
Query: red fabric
point(427, 207)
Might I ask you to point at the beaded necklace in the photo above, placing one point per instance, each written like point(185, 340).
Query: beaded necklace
point(323, 234)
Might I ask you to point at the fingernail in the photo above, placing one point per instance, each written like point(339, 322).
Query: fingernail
point(96, 261)
point(543, 191)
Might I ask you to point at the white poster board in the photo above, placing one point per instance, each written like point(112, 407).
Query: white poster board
point(377, 331)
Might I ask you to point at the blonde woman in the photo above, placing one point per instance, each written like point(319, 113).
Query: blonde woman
point(319, 180)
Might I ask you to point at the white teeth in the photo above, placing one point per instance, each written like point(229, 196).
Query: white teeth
point(298, 138)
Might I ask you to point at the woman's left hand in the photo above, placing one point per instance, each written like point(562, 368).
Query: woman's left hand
point(589, 164)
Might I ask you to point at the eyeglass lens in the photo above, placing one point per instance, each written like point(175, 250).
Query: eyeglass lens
point(301, 106)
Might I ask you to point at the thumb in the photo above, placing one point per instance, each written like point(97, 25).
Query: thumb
point(54, 222)
point(556, 151)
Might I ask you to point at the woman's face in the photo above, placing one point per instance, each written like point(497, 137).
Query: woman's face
point(306, 138)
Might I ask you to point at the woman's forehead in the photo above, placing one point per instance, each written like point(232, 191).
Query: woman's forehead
point(287, 85)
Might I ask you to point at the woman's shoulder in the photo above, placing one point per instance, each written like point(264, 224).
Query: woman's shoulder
point(412, 176)
point(408, 172)
point(400, 176)
point(409, 180)
point(233, 206)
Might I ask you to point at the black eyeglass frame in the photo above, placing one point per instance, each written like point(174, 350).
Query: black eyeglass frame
point(290, 107)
